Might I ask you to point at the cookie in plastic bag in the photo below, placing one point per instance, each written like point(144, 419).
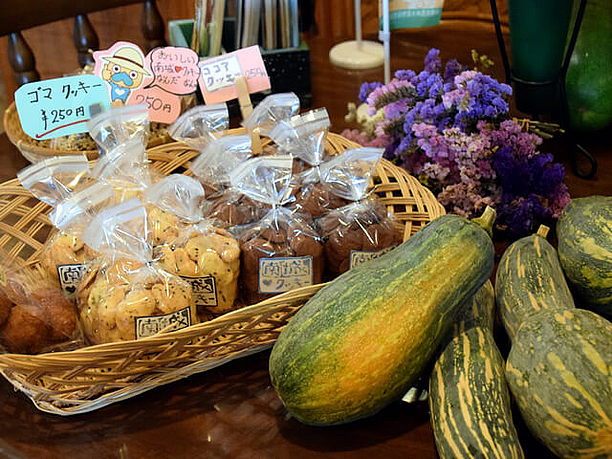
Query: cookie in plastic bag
point(124, 294)
point(282, 251)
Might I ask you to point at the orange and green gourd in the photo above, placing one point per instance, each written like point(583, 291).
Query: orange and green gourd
point(367, 336)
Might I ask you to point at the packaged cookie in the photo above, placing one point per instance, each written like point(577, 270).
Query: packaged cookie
point(229, 206)
point(362, 229)
point(205, 256)
point(120, 125)
point(270, 111)
point(125, 295)
point(281, 251)
point(218, 159)
point(64, 256)
point(126, 169)
point(34, 316)
point(304, 137)
point(200, 125)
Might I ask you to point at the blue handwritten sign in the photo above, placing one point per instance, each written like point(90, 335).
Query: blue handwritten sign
point(53, 108)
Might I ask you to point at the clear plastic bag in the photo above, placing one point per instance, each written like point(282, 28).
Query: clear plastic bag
point(282, 251)
point(270, 111)
point(54, 179)
point(173, 203)
point(126, 169)
point(362, 229)
point(120, 125)
point(124, 294)
point(34, 316)
point(356, 233)
point(205, 256)
point(213, 166)
point(200, 125)
point(303, 135)
point(64, 256)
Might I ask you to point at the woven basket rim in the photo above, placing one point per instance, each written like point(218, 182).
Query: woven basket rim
point(120, 346)
point(204, 326)
point(24, 144)
point(78, 381)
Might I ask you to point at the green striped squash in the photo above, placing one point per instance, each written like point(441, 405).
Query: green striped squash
point(529, 279)
point(559, 371)
point(584, 232)
point(367, 336)
point(468, 397)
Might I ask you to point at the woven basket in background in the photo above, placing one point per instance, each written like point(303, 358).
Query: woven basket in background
point(92, 377)
point(35, 151)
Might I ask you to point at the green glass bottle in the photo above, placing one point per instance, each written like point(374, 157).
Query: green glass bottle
point(538, 35)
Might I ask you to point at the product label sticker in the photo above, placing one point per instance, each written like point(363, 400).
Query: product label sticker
point(157, 79)
point(204, 290)
point(218, 74)
point(58, 107)
point(278, 275)
point(70, 277)
point(358, 256)
point(151, 325)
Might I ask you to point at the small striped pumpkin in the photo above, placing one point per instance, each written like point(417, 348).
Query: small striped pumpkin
point(529, 279)
point(468, 396)
point(584, 232)
point(559, 371)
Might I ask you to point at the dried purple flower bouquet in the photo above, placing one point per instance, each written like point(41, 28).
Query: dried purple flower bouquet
point(450, 128)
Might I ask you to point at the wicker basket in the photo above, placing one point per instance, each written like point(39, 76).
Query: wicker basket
point(92, 377)
point(35, 151)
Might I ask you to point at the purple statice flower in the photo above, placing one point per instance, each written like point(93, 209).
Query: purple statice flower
point(458, 98)
point(393, 91)
point(397, 109)
point(559, 200)
point(366, 89)
point(521, 216)
point(451, 70)
point(364, 140)
point(523, 144)
point(433, 64)
point(429, 85)
point(407, 75)
point(449, 127)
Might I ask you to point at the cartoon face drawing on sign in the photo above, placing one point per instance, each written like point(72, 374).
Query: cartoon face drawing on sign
point(124, 72)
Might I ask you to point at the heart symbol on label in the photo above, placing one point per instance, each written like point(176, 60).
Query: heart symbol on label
point(71, 289)
point(178, 69)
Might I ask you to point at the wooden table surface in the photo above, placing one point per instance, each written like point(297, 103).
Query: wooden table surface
point(233, 411)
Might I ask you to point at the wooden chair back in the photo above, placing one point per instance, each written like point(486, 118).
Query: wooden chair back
point(25, 14)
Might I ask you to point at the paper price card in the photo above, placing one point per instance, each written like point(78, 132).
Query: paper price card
point(218, 74)
point(157, 79)
point(278, 275)
point(58, 107)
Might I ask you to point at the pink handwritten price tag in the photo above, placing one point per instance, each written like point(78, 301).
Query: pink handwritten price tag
point(218, 74)
point(156, 79)
point(163, 107)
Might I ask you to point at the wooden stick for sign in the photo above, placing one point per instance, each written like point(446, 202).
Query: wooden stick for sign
point(246, 107)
